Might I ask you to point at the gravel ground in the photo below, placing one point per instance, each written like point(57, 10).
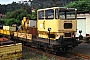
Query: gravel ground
point(32, 55)
point(83, 48)
point(28, 54)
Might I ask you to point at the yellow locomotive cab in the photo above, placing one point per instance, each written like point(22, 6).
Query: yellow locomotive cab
point(62, 22)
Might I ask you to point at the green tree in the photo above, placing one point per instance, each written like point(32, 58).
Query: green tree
point(18, 14)
point(12, 21)
point(15, 17)
point(81, 5)
point(34, 15)
point(2, 22)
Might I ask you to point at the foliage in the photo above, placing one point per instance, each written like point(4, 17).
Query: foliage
point(18, 14)
point(34, 15)
point(2, 22)
point(34, 4)
point(11, 21)
point(16, 11)
point(81, 5)
point(15, 17)
point(44, 57)
point(14, 6)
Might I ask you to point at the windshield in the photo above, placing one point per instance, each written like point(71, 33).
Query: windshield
point(49, 14)
point(41, 14)
point(67, 14)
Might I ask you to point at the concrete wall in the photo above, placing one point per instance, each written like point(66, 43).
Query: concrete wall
point(81, 25)
point(88, 25)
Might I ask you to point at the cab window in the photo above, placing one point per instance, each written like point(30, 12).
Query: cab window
point(49, 14)
point(67, 14)
point(41, 14)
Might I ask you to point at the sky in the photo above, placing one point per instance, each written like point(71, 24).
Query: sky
point(9, 1)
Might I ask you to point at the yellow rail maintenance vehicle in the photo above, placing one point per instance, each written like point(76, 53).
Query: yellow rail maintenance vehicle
point(54, 30)
point(58, 24)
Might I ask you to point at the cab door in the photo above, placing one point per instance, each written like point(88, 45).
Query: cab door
point(46, 19)
point(51, 21)
point(41, 20)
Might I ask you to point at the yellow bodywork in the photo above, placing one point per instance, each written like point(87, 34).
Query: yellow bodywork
point(9, 52)
point(25, 23)
point(56, 25)
point(10, 28)
point(10, 48)
point(43, 25)
point(23, 35)
point(6, 32)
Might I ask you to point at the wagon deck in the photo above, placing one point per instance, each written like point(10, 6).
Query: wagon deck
point(46, 41)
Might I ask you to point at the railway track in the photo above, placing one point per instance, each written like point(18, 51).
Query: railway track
point(60, 55)
point(38, 51)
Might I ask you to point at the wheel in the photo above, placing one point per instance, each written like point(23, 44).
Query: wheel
point(80, 37)
point(47, 50)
